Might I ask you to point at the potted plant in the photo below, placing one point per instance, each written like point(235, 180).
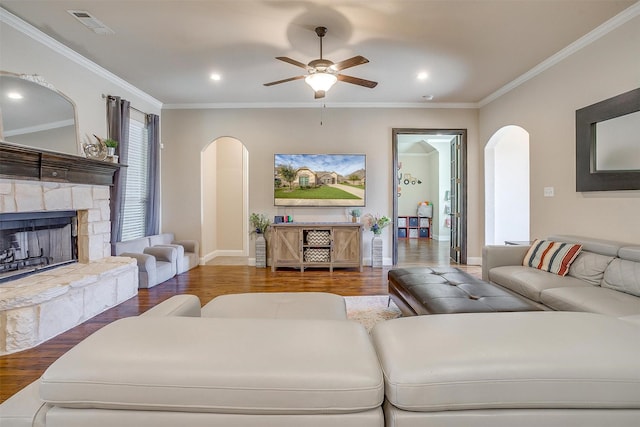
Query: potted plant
point(259, 224)
point(376, 224)
point(355, 215)
point(111, 145)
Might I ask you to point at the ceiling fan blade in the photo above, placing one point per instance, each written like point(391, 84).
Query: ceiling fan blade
point(292, 62)
point(351, 62)
point(357, 81)
point(319, 94)
point(290, 79)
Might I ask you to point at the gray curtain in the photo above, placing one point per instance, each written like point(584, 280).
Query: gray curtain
point(118, 129)
point(153, 207)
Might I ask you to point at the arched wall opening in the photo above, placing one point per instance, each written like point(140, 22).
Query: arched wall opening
point(506, 158)
point(224, 199)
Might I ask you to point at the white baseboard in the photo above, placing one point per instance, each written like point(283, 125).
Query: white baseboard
point(211, 255)
point(385, 261)
point(474, 260)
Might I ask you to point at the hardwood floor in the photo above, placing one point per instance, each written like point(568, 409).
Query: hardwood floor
point(20, 369)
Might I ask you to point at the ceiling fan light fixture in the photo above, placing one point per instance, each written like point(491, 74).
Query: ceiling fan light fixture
point(321, 81)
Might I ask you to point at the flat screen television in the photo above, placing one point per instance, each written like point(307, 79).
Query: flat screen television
point(320, 180)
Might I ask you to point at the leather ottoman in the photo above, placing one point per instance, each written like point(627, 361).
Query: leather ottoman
point(167, 371)
point(438, 290)
point(278, 305)
point(552, 369)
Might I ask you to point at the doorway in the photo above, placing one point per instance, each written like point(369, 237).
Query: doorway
point(224, 184)
point(506, 169)
point(435, 160)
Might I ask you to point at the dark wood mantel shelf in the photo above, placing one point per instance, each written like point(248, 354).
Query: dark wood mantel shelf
point(20, 162)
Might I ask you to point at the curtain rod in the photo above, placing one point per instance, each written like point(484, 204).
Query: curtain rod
point(133, 108)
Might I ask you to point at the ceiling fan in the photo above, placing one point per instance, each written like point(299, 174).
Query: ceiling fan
point(322, 73)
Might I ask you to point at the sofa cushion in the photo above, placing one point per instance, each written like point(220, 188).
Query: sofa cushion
point(547, 360)
point(591, 299)
point(278, 305)
point(134, 246)
point(530, 282)
point(624, 276)
point(161, 239)
point(598, 246)
point(631, 253)
point(249, 366)
point(589, 266)
point(554, 257)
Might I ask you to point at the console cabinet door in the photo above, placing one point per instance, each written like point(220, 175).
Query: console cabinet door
point(287, 249)
point(346, 246)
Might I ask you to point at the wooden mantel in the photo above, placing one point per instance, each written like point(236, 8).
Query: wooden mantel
point(20, 162)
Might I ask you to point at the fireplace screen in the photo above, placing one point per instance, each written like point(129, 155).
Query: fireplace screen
point(33, 241)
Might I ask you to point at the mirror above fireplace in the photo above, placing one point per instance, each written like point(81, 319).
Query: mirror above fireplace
point(34, 114)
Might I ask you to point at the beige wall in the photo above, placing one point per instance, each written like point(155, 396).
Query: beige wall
point(545, 107)
point(24, 55)
point(209, 186)
point(231, 236)
point(265, 132)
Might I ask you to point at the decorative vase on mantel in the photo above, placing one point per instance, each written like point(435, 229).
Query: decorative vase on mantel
point(261, 251)
point(376, 250)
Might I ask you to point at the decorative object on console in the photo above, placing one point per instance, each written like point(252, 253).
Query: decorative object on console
point(260, 223)
point(355, 215)
point(554, 257)
point(320, 180)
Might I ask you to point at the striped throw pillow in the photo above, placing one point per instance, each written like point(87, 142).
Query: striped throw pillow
point(554, 257)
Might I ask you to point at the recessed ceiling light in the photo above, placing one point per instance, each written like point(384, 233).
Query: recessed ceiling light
point(215, 77)
point(14, 95)
point(423, 75)
point(427, 97)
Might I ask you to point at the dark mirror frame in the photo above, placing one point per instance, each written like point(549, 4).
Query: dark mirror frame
point(587, 177)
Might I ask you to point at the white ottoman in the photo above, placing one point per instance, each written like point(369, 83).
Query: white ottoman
point(552, 369)
point(168, 371)
point(278, 305)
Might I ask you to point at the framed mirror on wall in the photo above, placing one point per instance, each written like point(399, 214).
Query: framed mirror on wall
point(34, 114)
point(608, 144)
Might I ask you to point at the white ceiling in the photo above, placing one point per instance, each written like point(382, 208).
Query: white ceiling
point(470, 49)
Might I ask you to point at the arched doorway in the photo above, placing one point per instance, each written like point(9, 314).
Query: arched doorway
point(506, 161)
point(224, 199)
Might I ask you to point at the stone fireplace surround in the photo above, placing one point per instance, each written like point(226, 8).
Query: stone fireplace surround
point(38, 307)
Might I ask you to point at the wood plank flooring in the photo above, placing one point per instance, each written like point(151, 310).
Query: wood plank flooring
point(20, 369)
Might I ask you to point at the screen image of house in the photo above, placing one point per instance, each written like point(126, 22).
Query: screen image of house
point(319, 179)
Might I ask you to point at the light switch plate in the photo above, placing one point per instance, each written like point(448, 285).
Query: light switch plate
point(548, 192)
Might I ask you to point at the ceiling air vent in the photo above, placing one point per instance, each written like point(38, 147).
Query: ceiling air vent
point(91, 22)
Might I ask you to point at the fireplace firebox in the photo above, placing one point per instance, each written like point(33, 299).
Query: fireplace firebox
point(31, 242)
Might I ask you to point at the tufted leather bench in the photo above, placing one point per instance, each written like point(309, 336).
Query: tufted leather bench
point(437, 290)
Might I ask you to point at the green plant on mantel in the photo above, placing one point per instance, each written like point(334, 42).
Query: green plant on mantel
point(112, 143)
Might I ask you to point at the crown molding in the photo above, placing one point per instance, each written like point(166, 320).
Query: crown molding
point(29, 30)
point(600, 31)
point(272, 105)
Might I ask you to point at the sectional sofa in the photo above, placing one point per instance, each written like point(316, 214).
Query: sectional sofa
point(264, 364)
point(604, 278)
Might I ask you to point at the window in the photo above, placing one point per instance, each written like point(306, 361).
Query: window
point(137, 186)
